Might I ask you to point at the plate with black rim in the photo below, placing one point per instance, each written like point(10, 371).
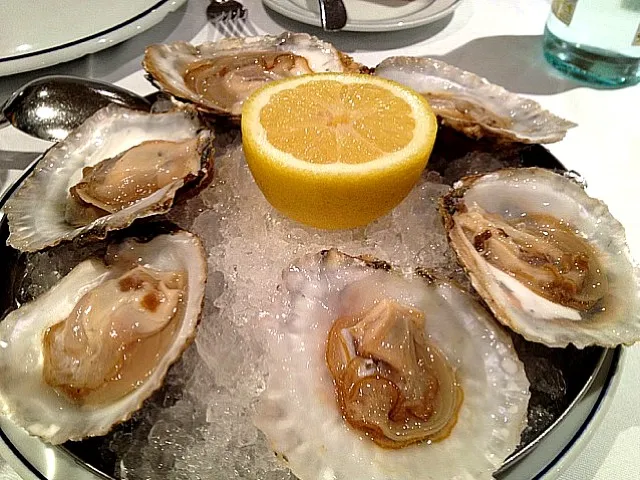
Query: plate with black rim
point(41, 34)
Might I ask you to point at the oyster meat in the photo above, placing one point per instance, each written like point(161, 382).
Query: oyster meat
point(379, 375)
point(218, 76)
point(118, 166)
point(83, 356)
point(551, 262)
point(473, 105)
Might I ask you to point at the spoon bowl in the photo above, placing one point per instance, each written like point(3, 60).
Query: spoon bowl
point(50, 107)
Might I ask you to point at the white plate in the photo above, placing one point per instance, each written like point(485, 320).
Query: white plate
point(38, 33)
point(370, 15)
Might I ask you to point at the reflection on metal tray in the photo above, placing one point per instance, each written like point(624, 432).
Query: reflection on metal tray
point(567, 385)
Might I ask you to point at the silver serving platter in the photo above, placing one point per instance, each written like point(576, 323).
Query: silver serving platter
point(537, 457)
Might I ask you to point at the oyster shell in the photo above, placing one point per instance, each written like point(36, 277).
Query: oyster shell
point(339, 312)
point(218, 76)
point(84, 355)
point(118, 166)
point(472, 105)
point(551, 262)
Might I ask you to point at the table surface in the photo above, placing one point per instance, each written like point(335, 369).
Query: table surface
point(498, 39)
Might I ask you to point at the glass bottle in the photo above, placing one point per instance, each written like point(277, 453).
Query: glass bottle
point(595, 40)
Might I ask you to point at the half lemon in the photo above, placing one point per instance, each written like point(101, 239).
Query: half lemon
point(336, 150)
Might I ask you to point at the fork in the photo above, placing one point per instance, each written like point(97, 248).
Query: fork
point(230, 19)
point(225, 10)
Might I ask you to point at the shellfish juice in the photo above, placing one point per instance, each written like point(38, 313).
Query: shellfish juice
point(200, 424)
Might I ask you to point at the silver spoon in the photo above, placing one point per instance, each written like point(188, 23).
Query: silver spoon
point(50, 107)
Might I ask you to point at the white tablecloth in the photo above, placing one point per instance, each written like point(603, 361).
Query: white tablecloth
point(501, 40)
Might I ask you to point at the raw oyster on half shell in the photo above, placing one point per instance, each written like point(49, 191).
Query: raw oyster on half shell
point(118, 166)
point(83, 356)
point(218, 76)
point(381, 375)
point(551, 262)
point(473, 105)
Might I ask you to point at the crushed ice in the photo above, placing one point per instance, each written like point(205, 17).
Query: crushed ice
point(228, 374)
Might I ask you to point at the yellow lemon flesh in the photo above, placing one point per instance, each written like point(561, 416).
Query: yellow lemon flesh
point(336, 150)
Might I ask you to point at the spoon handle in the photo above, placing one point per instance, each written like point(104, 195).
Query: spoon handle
point(333, 15)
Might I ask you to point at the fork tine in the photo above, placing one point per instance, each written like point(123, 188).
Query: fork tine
point(239, 24)
point(229, 27)
point(223, 28)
